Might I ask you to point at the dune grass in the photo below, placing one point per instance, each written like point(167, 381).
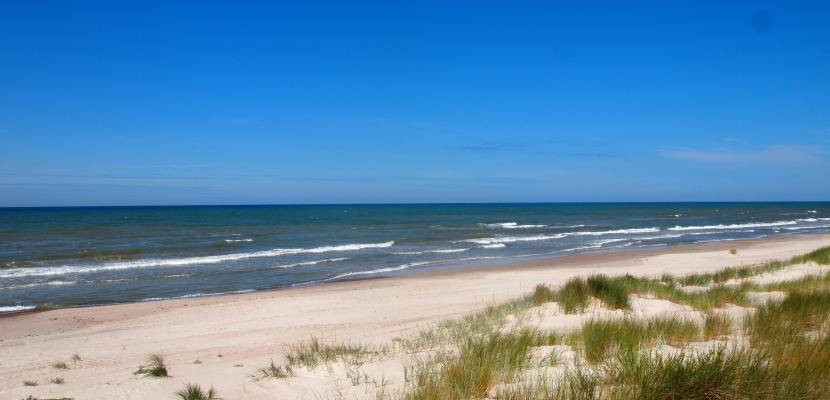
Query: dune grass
point(716, 326)
point(275, 371)
point(29, 383)
point(574, 295)
point(542, 294)
point(155, 367)
point(314, 353)
point(56, 381)
point(195, 392)
point(600, 338)
point(60, 365)
point(798, 314)
point(481, 362)
point(612, 292)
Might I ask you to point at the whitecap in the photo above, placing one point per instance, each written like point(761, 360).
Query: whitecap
point(494, 246)
point(169, 262)
point(6, 309)
point(732, 226)
point(510, 225)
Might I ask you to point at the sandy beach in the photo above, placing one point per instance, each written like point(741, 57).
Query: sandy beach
point(234, 335)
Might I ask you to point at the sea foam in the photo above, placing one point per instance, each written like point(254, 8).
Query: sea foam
point(172, 262)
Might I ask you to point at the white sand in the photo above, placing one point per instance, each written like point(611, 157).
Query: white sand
point(250, 329)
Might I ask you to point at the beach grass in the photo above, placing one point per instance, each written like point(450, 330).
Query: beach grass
point(195, 392)
point(574, 295)
point(275, 371)
point(542, 294)
point(600, 338)
point(60, 365)
point(29, 383)
point(314, 353)
point(612, 292)
point(57, 381)
point(789, 320)
point(780, 351)
point(716, 325)
point(155, 367)
point(480, 363)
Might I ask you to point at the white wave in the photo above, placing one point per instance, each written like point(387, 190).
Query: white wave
point(732, 226)
point(658, 237)
point(511, 225)
point(512, 239)
point(30, 285)
point(813, 219)
point(299, 264)
point(171, 262)
point(613, 232)
point(415, 253)
point(184, 296)
point(812, 211)
point(798, 228)
point(379, 270)
point(238, 240)
point(5, 309)
point(607, 241)
point(494, 246)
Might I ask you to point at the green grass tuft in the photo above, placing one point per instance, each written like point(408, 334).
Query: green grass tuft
point(60, 365)
point(716, 326)
point(155, 367)
point(56, 381)
point(195, 392)
point(29, 383)
point(542, 294)
point(612, 292)
point(574, 295)
point(601, 338)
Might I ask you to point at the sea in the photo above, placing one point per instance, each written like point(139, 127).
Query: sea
point(63, 257)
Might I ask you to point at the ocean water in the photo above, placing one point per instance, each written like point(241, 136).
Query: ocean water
point(81, 256)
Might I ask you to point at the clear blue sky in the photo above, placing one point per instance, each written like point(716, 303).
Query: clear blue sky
point(119, 103)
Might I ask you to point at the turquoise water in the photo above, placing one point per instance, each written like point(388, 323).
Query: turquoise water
point(79, 256)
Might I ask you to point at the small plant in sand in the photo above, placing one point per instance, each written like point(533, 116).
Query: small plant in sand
point(56, 381)
point(155, 367)
point(542, 294)
point(574, 295)
point(60, 365)
point(195, 392)
point(275, 371)
point(733, 251)
point(76, 357)
point(716, 326)
point(29, 383)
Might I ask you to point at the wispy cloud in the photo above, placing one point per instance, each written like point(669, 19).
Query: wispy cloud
point(776, 154)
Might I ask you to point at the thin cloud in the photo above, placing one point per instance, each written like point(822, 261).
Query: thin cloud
point(777, 154)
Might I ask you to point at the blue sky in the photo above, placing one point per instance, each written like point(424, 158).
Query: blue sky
point(122, 103)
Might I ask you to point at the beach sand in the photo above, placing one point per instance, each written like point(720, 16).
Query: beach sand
point(234, 335)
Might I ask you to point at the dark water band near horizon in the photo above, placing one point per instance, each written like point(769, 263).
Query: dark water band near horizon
point(104, 255)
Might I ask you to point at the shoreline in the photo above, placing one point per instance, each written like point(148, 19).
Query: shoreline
point(504, 264)
point(225, 332)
